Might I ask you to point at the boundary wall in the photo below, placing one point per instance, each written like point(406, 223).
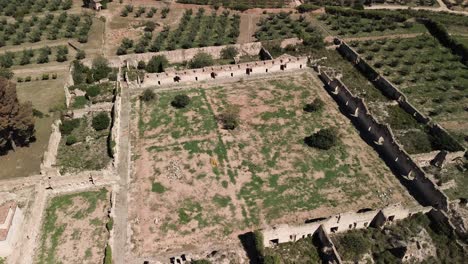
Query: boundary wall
point(280, 64)
point(182, 55)
point(339, 223)
point(392, 92)
point(382, 139)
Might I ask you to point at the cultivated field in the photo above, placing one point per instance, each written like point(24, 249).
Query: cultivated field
point(433, 79)
point(194, 181)
point(75, 228)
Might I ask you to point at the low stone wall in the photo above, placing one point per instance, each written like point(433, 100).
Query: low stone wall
point(381, 138)
point(339, 223)
point(424, 159)
point(114, 132)
point(68, 82)
point(50, 155)
point(280, 64)
point(100, 107)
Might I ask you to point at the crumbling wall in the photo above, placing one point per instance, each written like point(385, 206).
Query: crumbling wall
point(99, 107)
point(328, 248)
point(381, 136)
point(339, 223)
point(50, 155)
point(68, 82)
point(280, 64)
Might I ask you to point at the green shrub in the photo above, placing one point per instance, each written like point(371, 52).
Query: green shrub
point(101, 121)
point(70, 140)
point(100, 68)
point(79, 102)
point(323, 139)
point(93, 91)
point(148, 95)
point(230, 117)
point(180, 101)
point(229, 52)
point(354, 245)
point(69, 125)
point(45, 76)
point(259, 247)
point(316, 105)
point(201, 60)
point(157, 64)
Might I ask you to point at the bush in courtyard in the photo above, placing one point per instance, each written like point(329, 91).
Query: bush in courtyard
point(93, 91)
point(71, 140)
point(100, 68)
point(157, 64)
point(141, 65)
point(229, 52)
point(180, 101)
point(101, 121)
point(67, 126)
point(315, 106)
point(201, 60)
point(324, 139)
point(148, 95)
point(356, 246)
point(230, 117)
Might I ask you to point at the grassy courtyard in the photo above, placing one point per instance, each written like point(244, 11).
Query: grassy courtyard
point(74, 228)
point(199, 176)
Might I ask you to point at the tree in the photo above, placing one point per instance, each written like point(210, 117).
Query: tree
point(201, 60)
point(180, 101)
point(100, 68)
point(157, 64)
point(323, 139)
point(148, 95)
point(316, 105)
point(80, 55)
point(101, 121)
point(150, 26)
point(230, 117)
point(355, 244)
point(141, 65)
point(229, 53)
point(16, 120)
point(6, 73)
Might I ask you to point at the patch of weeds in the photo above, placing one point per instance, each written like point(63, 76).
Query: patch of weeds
point(221, 201)
point(157, 187)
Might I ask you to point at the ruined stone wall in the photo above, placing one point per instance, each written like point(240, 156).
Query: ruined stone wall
point(328, 248)
point(338, 223)
point(68, 82)
point(424, 159)
point(381, 136)
point(7, 245)
point(50, 155)
point(226, 71)
point(99, 107)
point(181, 55)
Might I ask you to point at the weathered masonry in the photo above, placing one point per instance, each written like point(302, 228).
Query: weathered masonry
point(11, 218)
point(280, 64)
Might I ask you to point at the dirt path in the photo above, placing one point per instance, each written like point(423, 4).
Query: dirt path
point(412, 35)
point(441, 8)
point(42, 68)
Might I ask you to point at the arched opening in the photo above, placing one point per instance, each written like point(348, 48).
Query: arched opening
point(213, 75)
point(177, 79)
